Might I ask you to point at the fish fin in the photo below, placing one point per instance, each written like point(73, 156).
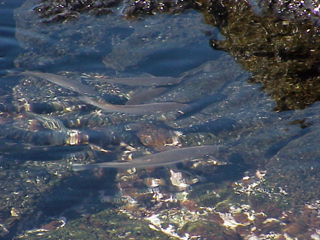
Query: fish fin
point(145, 74)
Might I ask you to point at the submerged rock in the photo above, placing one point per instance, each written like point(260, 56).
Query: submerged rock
point(153, 7)
point(281, 50)
point(262, 187)
point(121, 44)
point(52, 10)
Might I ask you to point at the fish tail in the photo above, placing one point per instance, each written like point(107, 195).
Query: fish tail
point(77, 167)
point(10, 73)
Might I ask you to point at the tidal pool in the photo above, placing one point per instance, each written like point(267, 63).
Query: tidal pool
point(206, 94)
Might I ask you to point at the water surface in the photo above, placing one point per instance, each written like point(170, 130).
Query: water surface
point(268, 167)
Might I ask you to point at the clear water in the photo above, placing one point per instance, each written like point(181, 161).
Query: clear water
point(9, 45)
point(266, 170)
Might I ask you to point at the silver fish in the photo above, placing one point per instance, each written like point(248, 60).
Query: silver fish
point(140, 109)
point(144, 81)
point(146, 95)
point(155, 160)
point(63, 82)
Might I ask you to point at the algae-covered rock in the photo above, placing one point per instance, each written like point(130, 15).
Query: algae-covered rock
point(31, 190)
point(153, 7)
point(107, 224)
point(52, 11)
point(281, 51)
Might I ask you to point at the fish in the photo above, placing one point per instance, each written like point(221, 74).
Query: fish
point(198, 105)
point(64, 82)
point(146, 95)
point(144, 81)
point(155, 160)
point(139, 109)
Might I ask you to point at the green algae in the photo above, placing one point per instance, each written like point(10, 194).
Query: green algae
point(208, 229)
point(211, 194)
point(282, 54)
point(107, 224)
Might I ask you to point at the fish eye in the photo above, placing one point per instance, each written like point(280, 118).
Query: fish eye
point(147, 140)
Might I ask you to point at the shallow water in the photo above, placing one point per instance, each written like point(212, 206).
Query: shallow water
point(269, 173)
point(9, 45)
